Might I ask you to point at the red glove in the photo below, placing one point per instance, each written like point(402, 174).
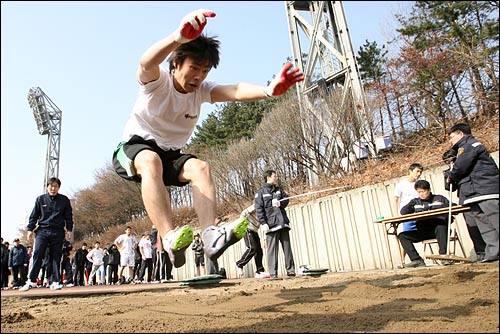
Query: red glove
point(285, 79)
point(192, 25)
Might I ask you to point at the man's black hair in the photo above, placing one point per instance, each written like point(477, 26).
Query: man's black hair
point(416, 165)
point(463, 127)
point(202, 49)
point(268, 173)
point(54, 180)
point(422, 184)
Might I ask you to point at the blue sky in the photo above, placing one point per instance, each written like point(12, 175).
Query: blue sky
point(84, 56)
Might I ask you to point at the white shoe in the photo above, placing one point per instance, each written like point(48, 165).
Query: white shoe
point(239, 271)
point(69, 285)
point(262, 275)
point(56, 286)
point(217, 239)
point(28, 286)
point(176, 242)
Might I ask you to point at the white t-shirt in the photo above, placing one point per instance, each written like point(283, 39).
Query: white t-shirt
point(165, 115)
point(127, 243)
point(405, 190)
point(145, 244)
point(96, 256)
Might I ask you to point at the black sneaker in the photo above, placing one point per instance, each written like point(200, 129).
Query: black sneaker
point(415, 264)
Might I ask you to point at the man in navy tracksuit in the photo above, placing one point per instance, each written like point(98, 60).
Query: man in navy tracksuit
point(476, 175)
point(52, 217)
point(435, 227)
point(270, 202)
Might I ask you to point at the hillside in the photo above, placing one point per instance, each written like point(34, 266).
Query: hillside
point(425, 147)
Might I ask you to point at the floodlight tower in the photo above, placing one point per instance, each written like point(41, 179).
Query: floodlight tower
point(48, 120)
point(322, 49)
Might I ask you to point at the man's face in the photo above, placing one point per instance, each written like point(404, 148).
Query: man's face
point(424, 193)
point(415, 174)
point(455, 137)
point(53, 189)
point(189, 75)
point(273, 179)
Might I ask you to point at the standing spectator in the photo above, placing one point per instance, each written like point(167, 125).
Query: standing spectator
point(113, 264)
point(162, 121)
point(254, 248)
point(405, 191)
point(18, 264)
point(199, 255)
point(449, 158)
point(96, 256)
point(52, 217)
point(5, 272)
point(153, 237)
point(137, 263)
point(476, 175)
point(165, 266)
point(29, 249)
point(270, 202)
point(105, 261)
point(146, 258)
point(431, 228)
point(88, 270)
point(125, 244)
point(80, 258)
point(66, 267)
point(46, 269)
point(213, 265)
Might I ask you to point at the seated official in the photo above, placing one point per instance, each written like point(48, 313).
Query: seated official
point(431, 228)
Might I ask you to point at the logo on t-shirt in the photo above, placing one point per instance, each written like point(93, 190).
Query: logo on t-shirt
point(190, 116)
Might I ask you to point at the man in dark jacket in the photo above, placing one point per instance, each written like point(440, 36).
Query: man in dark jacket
point(270, 203)
point(18, 264)
point(5, 265)
point(476, 175)
point(113, 264)
point(66, 267)
point(52, 217)
point(80, 258)
point(432, 228)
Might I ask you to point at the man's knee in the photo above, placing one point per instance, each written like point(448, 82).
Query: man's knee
point(147, 161)
point(196, 169)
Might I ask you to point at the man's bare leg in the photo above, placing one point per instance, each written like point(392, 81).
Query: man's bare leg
point(215, 239)
point(154, 193)
point(198, 173)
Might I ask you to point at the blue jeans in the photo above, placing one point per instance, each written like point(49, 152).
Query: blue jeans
point(53, 239)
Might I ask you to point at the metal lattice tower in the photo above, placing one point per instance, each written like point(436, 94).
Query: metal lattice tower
point(48, 120)
point(322, 49)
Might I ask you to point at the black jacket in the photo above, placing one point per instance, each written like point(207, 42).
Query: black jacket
point(432, 203)
point(52, 212)
point(197, 247)
point(275, 217)
point(474, 171)
point(18, 256)
point(81, 257)
point(114, 255)
point(5, 254)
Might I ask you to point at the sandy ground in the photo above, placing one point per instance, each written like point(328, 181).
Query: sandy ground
point(457, 298)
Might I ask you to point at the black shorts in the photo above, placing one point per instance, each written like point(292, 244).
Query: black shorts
point(172, 160)
point(199, 260)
